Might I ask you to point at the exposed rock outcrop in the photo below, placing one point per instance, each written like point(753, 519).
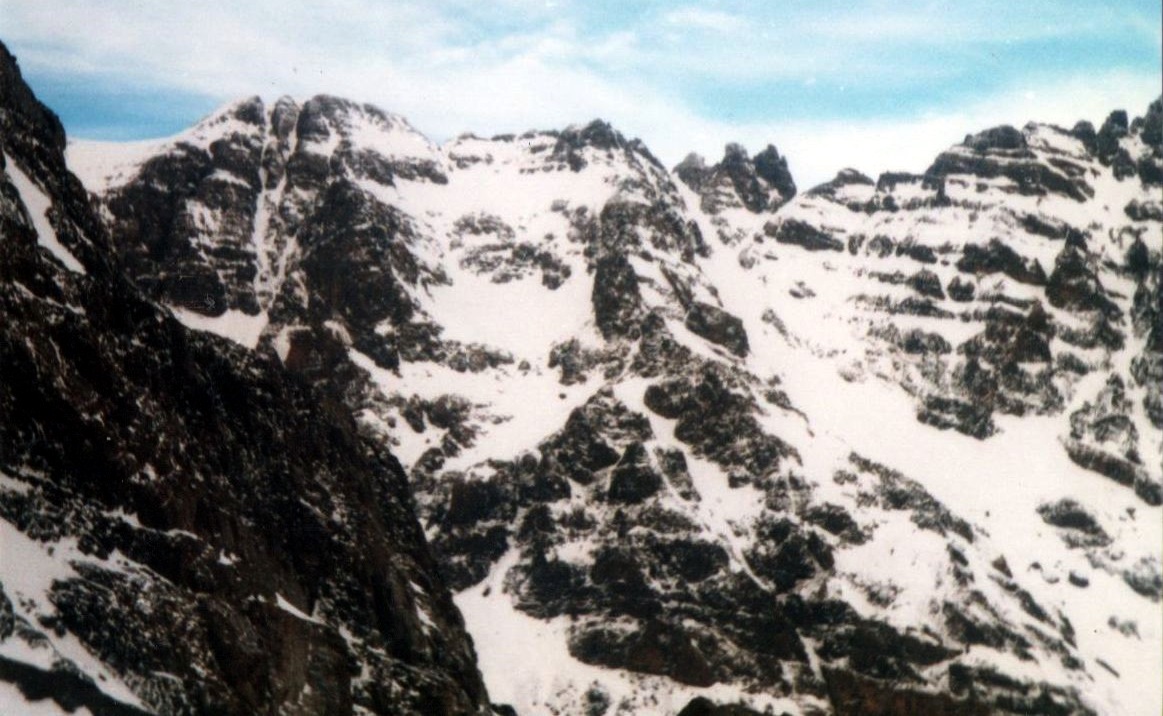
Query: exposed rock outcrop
point(222, 539)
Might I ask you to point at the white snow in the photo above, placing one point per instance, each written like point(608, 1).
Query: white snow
point(282, 603)
point(28, 570)
point(242, 328)
point(38, 205)
point(526, 662)
point(14, 703)
point(535, 317)
point(848, 385)
point(520, 408)
point(102, 166)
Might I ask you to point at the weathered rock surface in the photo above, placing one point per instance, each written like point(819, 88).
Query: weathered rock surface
point(628, 406)
point(212, 534)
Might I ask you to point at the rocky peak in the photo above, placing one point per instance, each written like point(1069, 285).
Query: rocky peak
point(26, 116)
point(284, 116)
point(1084, 131)
point(598, 134)
point(758, 184)
point(245, 118)
point(598, 138)
point(1149, 130)
point(1107, 140)
point(692, 171)
point(1004, 138)
point(240, 174)
point(250, 111)
point(322, 115)
point(198, 532)
point(1116, 123)
point(1131, 149)
point(847, 177)
point(772, 168)
point(643, 441)
point(1028, 162)
point(1150, 126)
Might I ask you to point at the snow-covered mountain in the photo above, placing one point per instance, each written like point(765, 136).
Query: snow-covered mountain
point(184, 527)
point(693, 441)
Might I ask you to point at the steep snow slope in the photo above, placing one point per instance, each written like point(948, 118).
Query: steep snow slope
point(881, 447)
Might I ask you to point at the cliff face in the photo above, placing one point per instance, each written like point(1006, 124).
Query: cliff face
point(186, 527)
point(676, 437)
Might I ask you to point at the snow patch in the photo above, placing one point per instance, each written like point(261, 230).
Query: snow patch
point(38, 205)
point(242, 328)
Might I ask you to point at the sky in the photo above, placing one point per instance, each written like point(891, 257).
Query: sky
point(869, 84)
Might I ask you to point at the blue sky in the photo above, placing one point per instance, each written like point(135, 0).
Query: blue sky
point(872, 84)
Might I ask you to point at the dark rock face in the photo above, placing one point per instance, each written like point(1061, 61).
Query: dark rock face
point(888, 181)
point(160, 235)
point(347, 242)
point(918, 341)
point(632, 479)
point(70, 691)
point(917, 252)
point(612, 520)
point(1003, 152)
point(504, 259)
point(743, 177)
point(1003, 137)
point(616, 299)
point(1122, 471)
point(843, 178)
point(717, 423)
point(1069, 515)
point(692, 171)
point(927, 284)
point(772, 168)
point(1008, 367)
point(1084, 132)
point(1010, 337)
point(1042, 226)
point(717, 326)
point(961, 290)
point(210, 227)
point(759, 184)
point(996, 257)
point(659, 648)
point(267, 553)
point(1147, 320)
point(1107, 140)
point(1150, 165)
point(971, 418)
point(798, 233)
point(702, 706)
point(597, 135)
point(1075, 286)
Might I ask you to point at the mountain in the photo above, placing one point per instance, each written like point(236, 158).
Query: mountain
point(184, 526)
point(695, 441)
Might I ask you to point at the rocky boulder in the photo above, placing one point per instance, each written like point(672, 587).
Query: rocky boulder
point(1075, 286)
point(798, 233)
point(717, 326)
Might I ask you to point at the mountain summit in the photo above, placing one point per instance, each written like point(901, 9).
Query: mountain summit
point(185, 528)
point(686, 441)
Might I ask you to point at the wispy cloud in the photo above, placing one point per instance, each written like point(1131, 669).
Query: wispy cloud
point(701, 19)
point(870, 83)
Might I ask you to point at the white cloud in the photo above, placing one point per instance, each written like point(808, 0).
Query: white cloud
point(700, 19)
